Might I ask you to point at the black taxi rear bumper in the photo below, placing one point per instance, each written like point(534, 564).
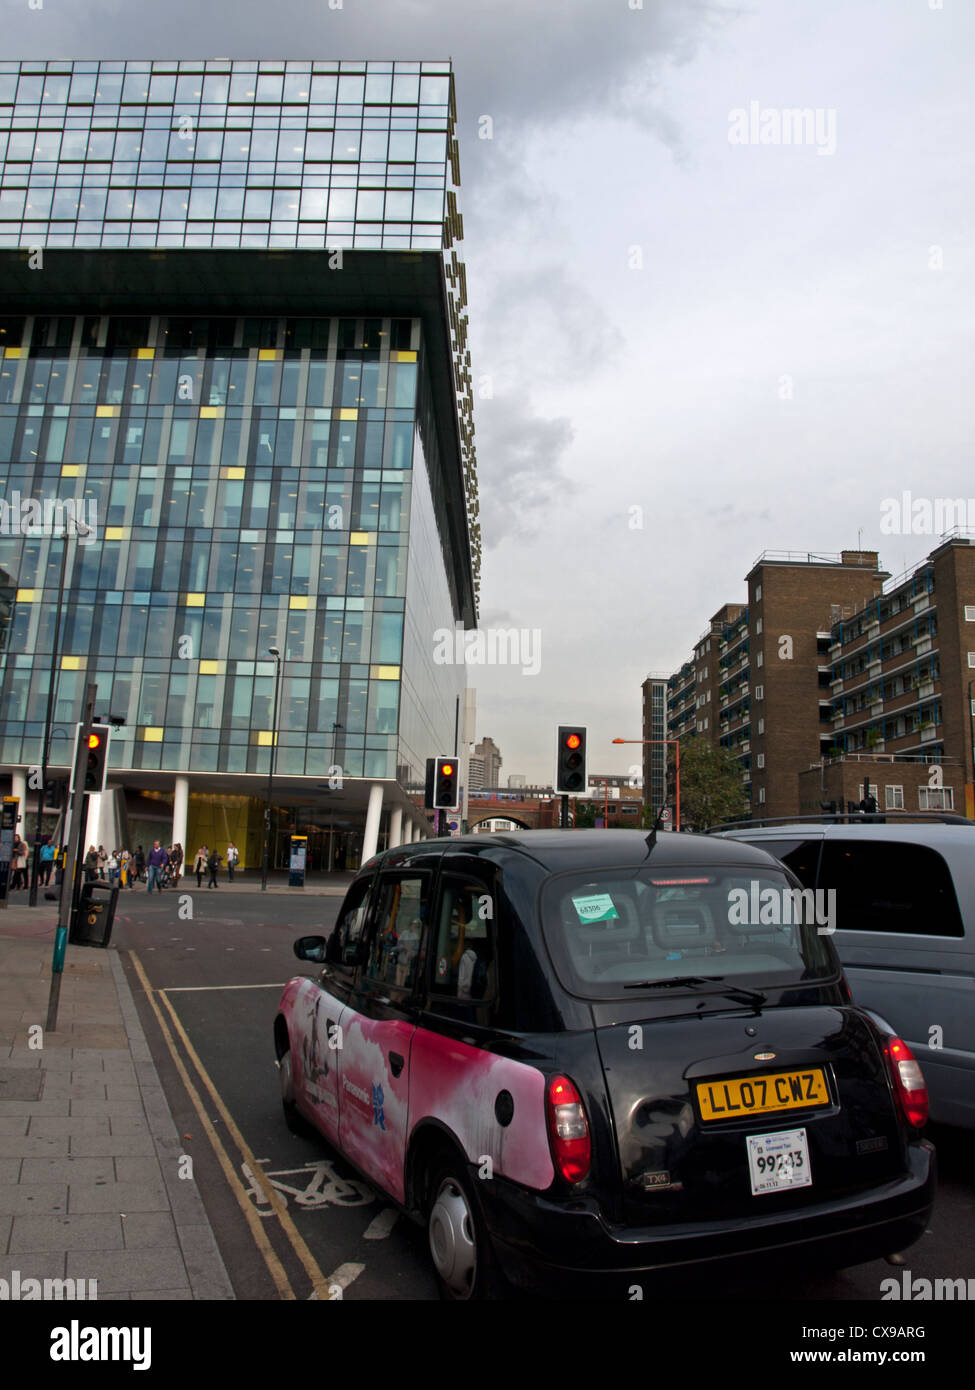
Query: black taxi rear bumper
point(568, 1248)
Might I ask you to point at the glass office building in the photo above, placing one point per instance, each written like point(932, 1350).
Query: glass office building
point(235, 374)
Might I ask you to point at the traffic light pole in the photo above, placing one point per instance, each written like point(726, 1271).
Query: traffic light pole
point(72, 856)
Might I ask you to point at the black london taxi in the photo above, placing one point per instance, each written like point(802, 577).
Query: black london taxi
point(581, 1058)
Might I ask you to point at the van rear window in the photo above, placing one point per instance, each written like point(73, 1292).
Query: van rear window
point(890, 887)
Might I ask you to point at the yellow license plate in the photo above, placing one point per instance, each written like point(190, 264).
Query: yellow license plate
point(759, 1095)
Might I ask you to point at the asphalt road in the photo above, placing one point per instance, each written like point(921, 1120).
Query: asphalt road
point(216, 977)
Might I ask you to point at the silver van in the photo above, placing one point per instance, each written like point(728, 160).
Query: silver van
point(904, 918)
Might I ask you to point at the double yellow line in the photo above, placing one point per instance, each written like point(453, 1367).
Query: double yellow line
point(320, 1285)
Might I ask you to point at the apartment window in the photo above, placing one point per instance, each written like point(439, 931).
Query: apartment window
point(893, 798)
point(936, 798)
point(705, 723)
point(970, 612)
point(760, 760)
point(758, 626)
point(761, 794)
point(971, 658)
point(760, 692)
point(761, 726)
point(758, 593)
point(700, 727)
point(760, 659)
point(709, 697)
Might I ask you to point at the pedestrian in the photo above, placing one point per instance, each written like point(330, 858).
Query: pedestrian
point(18, 864)
point(125, 863)
point(47, 862)
point(102, 862)
point(156, 863)
point(113, 867)
point(200, 863)
point(91, 864)
point(213, 864)
point(177, 863)
point(232, 858)
point(140, 863)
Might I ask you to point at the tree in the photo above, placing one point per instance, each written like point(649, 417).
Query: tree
point(710, 785)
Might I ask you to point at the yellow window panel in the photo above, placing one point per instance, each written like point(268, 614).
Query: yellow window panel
point(13, 352)
point(211, 412)
point(115, 533)
point(144, 354)
point(233, 472)
point(71, 663)
point(152, 735)
point(362, 538)
point(107, 411)
point(210, 668)
point(384, 673)
point(268, 355)
point(71, 470)
point(26, 595)
point(264, 738)
point(349, 413)
point(300, 601)
point(403, 356)
point(194, 600)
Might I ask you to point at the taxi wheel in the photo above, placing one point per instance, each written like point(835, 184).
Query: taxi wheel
point(293, 1117)
point(460, 1247)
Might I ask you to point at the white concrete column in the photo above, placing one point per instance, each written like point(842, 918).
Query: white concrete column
point(93, 826)
point(370, 837)
point(18, 788)
point(408, 833)
point(395, 827)
point(181, 801)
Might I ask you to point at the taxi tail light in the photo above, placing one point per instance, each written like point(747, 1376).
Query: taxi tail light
point(908, 1079)
point(568, 1130)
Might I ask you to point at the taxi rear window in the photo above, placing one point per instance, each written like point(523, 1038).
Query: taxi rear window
point(614, 931)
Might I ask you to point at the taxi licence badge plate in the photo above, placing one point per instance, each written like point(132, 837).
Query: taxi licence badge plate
point(778, 1161)
point(762, 1095)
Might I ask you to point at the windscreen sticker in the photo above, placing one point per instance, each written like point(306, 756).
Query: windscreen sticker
point(597, 908)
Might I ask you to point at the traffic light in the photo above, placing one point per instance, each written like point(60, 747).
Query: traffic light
point(446, 785)
point(570, 767)
point(96, 759)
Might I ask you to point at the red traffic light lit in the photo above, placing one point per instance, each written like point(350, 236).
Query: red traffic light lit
point(573, 741)
point(94, 740)
point(446, 770)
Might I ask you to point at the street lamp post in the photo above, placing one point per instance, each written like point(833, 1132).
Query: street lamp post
point(275, 652)
point(658, 741)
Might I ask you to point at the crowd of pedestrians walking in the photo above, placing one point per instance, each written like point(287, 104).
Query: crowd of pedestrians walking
point(161, 868)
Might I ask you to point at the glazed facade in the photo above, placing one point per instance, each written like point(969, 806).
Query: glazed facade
point(258, 407)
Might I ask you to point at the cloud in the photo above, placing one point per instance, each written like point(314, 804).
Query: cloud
point(520, 465)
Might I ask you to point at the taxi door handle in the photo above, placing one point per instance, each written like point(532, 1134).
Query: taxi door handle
point(396, 1062)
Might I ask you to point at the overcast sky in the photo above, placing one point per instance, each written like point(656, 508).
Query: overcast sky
point(755, 342)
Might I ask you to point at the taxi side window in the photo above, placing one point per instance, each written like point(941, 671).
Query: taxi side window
point(402, 906)
point(464, 950)
point(343, 944)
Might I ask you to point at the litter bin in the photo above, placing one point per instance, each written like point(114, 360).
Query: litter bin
point(92, 924)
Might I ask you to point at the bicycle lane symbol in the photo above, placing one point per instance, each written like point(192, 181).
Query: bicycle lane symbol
point(323, 1188)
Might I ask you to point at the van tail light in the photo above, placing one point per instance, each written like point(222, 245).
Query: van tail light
point(908, 1079)
point(568, 1130)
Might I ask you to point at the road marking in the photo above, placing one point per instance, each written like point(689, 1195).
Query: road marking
point(205, 989)
point(343, 1277)
point(380, 1226)
point(319, 1282)
point(274, 1265)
